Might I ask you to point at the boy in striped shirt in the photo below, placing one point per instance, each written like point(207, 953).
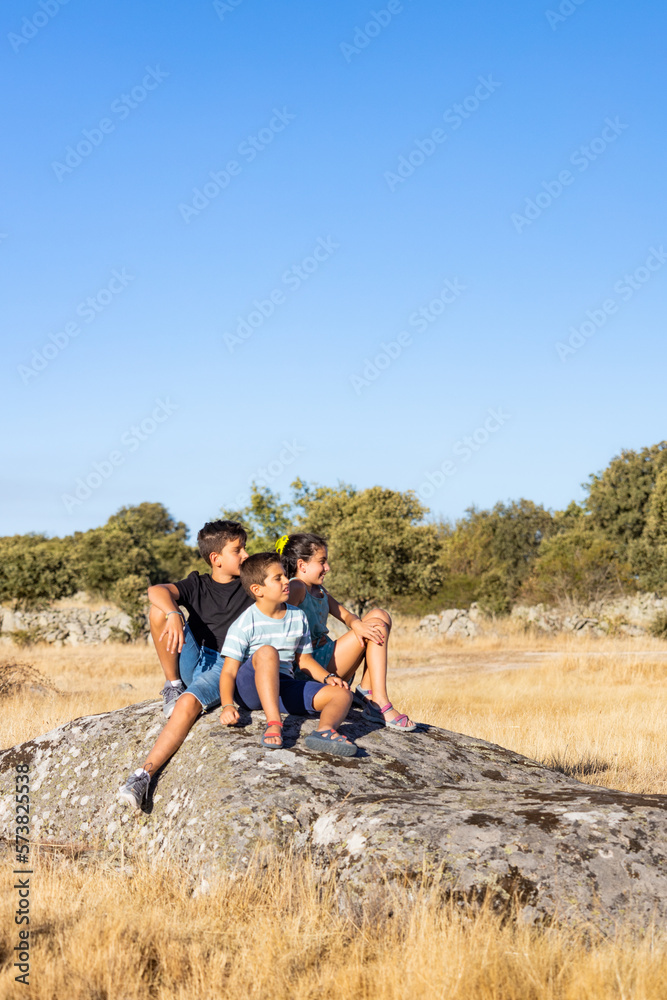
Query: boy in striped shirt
point(260, 650)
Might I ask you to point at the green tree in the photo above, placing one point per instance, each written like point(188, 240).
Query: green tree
point(142, 541)
point(648, 554)
point(579, 567)
point(265, 519)
point(618, 497)
point(379, 547)
point(35, 570)
point(574, 516)
point(497, 548)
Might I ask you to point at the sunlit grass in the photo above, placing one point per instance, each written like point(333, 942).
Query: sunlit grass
point(595, 708)
point(107, 934)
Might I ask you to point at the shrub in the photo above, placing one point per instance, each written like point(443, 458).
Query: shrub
point(456, 592)
point(658, 627)
point(35, 570)
point(118, 635)
point(130, 596)
point(496, 548)
point(23, 637)
point(578, 566)
point(137, 541)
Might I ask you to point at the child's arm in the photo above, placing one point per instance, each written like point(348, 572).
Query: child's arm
point(297, 592)
point(235, 650)
point(164, 597)
point(228, 715)
point(310, 666)
point(362, 630)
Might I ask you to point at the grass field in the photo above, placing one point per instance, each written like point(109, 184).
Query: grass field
point(595, 708)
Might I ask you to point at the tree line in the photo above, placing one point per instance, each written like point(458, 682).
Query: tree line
point(383, 547)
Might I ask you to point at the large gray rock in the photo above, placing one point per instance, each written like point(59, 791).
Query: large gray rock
point(434, 808)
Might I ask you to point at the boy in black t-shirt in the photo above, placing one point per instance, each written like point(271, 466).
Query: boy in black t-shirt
point(190, 653)
point(212, 601)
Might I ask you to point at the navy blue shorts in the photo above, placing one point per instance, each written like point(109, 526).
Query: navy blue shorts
point(296, 697)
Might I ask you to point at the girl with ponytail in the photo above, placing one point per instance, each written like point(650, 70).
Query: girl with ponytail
point(304, 556)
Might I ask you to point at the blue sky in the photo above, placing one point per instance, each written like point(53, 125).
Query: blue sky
point(267, 240)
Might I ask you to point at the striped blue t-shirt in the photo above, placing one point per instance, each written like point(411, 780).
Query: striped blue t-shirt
point(290, 635)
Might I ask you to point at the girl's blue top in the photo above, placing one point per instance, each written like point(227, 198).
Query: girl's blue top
point(317, 611)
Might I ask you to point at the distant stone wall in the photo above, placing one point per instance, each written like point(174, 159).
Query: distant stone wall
point(66, 626)
point(453, 623)
point(623, 616)
point(81, 626)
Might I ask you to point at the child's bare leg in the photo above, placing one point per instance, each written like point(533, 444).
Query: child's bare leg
point(348, 653)
point(186, 712)
point(347, 656)
point(266, 664)
point(375, 665)
point(168, 661)
point(333, 704)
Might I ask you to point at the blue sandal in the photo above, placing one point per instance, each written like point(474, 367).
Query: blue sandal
point(361, 696)
point(330, 741)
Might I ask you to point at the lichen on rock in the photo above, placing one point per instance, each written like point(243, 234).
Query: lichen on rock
point(433, 808)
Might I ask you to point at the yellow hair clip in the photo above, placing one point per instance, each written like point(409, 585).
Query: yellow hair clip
point(281, 543)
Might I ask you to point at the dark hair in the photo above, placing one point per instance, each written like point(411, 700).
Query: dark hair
point(255, 569)
point(302, 545)
point(215, 534)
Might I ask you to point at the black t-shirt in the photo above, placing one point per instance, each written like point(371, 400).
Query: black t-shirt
point(211, 606)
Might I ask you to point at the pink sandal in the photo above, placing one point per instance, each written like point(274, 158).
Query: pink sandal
point(401, 723)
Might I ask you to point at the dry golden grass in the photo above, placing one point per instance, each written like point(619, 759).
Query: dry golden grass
point(595, 708)
point(88, 680)
point(276, 932)
point(104, 932)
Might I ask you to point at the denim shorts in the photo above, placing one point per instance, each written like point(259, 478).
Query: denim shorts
point(324, 652)
point(296, 697)
point(200, 669)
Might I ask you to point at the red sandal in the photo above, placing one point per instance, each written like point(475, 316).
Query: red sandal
point(272, 746)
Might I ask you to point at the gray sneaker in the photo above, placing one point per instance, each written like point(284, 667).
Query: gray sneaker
point(170, 694)
point(135, 790)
